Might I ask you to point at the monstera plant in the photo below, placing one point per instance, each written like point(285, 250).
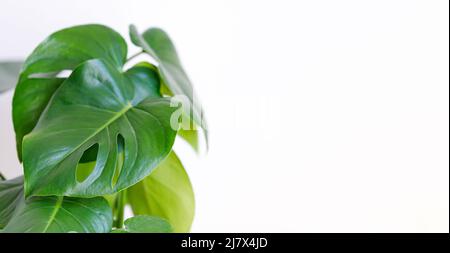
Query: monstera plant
point(95, 135)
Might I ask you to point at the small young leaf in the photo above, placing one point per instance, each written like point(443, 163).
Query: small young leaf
point(147, 224)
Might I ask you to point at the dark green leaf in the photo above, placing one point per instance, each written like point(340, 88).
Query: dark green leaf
point(63, 50)
point(144, 80)
point(9, 74)
point(11, 194)
point(166, 193)
point(67, 48)
point(61, 215)
point(51, 214)
point(98, 104)
point(30, 99)
point(158, 45)
point(146, 224)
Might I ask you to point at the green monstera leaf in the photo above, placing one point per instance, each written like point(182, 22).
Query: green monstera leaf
point(63, 50)
point(61, 215)
point(166, 193)
point(51, 214)
point(98, 106)
point(145, 224)
point(159, 46)
point(88, 129)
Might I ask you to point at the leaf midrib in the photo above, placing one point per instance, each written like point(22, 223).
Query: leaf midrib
point(58, 205)
point(118, 115)
point(109, 122)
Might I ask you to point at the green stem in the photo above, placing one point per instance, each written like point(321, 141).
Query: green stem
point(120, 207)
point(135, 55)
point(2, 177)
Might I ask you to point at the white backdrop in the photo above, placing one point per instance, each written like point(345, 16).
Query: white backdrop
point(325, 116)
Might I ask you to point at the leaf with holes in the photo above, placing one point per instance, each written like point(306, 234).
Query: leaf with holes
point(63, 50)
point(86, 127)
point(98, 105)
point(167, 193)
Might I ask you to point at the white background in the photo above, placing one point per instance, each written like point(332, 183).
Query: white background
point(325, 116)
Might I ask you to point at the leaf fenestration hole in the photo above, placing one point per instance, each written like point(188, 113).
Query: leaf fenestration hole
point(120, 158)
point(64, 73)
point(87, 163)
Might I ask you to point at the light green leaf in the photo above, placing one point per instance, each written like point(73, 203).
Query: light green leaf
point(98, 105)
point(11, 194)
point(63, 50)
point(158, 45)
point(166, 193)
point(9, 74)
point(145, 224)
point(51, 214)
point(191, 137)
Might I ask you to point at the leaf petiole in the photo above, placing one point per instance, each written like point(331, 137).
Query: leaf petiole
point(120, 209)
point(135, 55)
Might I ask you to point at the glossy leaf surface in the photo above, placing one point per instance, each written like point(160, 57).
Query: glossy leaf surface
point(30, 99)
point(61, 215)
point(63, 50)
point(166, 193)
point(51, 214)
point(98, 105)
